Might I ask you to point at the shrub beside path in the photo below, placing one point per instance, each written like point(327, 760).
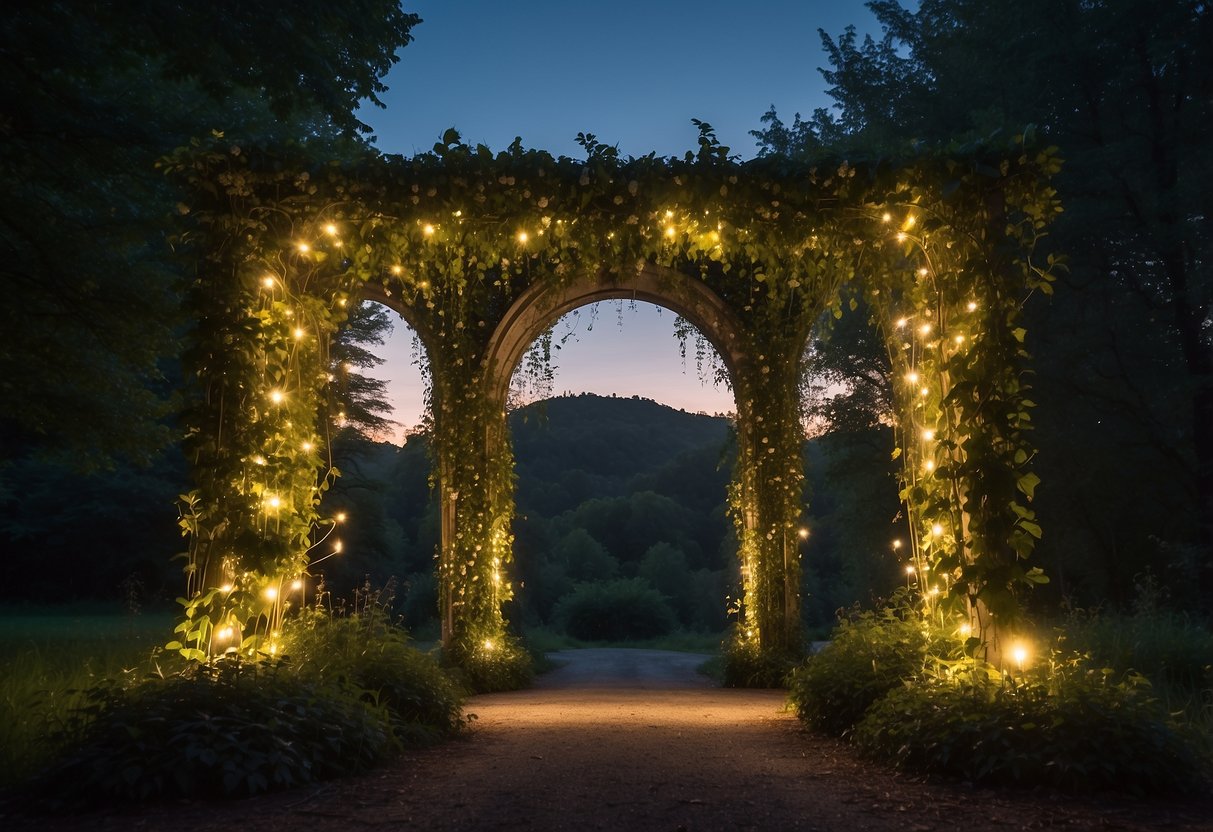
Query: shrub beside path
point(637, 740)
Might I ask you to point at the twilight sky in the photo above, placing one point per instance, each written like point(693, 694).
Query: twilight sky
point(633, 72)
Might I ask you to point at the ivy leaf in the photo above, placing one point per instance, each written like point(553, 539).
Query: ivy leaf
point(1027, 484)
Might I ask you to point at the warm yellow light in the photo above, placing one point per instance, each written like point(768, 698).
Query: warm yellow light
point(340, 518)
point(669, 232)
point(972, 305)
point(886, 217)
point(225, 634)
point(959, 339)
point(427, 229)
point(225, 589)
point(274, 502)
point(296, 585)
point(258, 460)
point(803, 532)
point(304, 248)
point(337, 547)
point(901, 236)
point(397, 269)
point(298, 333)
point(928, 435)
point(909, 569)
point(933, 590)
point(271, 592)
point(937, 530)
point(896, 544)
point(1019, 654)
point(966, 629)
point(912, 378)
point(276, 396)
point(522, 237)
point(909, 223)
point(924, 391)
point(307, 446)
point(267, 282)
point(901, 323)
point(922, 272)
point(669, 215)
point(330, 229)
point(488, 644)
point(925, 329)
point(930, 466)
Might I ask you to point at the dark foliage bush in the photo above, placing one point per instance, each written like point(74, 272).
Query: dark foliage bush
point(870, 654)
point(366, 651)
point(618, 610)
point(745, 666)
point(506, 665)
point(225, 730)
point(1073, 729)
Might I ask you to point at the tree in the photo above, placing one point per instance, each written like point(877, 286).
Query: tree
point(1124, 88)
point(91, 95)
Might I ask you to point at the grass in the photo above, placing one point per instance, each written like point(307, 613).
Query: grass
point(48, 655)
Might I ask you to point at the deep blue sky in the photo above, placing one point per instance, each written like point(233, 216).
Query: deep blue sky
point(633, 73)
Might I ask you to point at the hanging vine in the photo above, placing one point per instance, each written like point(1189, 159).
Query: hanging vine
point(942, 245)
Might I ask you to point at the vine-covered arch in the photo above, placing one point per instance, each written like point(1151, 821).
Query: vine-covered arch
point(481, 250)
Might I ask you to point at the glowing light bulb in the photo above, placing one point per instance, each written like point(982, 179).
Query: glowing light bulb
point(274, 502)
point(910, 569)
point(886, 217)
point(937, 530)
point(909, 223)
point(267, 282)
point(488, 644)
point(1019, 654)
point(669, 232)
point(912, 378)
point(225, 589)
point(337, 547)
point(928, 435)
point(271, 592)
point(896, 544)
point(340, 518)
point(522, 237)
point(669, 215)
point(930, 466)
point(804, 533)
point(924, 392)
point(397, 270)
point(225, 634)
point(922, 272)
point(966, 629)
point(934, 590)
point(959, 339)
point(901, 236)
point(901, 323)
point(925, 329)
point(298, 333)
point(427, 230)
point(972, 306)
point(330, 229)
point(307, 446)
point(276, 396)
point(304, 248)
point(296, 585)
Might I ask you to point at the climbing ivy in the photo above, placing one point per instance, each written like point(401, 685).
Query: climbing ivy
point(283, 243)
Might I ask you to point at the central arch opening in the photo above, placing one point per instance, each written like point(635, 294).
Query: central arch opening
point(621, 426)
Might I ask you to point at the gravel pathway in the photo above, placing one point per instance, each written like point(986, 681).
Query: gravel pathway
point(637, 740)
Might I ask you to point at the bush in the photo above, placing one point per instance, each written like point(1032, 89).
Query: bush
point(618, 610)
point(745, 666)
point(870, 654)
point(1073, 729)
point(368, 652)
point(502, 665)
point(229, 729)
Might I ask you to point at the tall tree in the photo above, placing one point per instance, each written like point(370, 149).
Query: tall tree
point(91, 94)
point(1125, 88)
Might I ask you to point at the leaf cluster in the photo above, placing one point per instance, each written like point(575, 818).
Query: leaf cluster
point(617, 610)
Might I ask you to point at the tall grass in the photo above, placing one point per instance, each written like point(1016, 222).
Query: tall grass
point(48, 656)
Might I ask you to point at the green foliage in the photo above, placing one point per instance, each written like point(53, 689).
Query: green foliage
point(1071, 728)
point(365, 651)
point(495, 664)
point(746, 665)
point(225, 729)
point(870, 654)
point(625, 608)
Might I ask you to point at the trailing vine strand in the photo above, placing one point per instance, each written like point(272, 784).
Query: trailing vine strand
point(941, 247)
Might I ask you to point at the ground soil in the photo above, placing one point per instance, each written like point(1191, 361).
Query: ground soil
point(637, 740)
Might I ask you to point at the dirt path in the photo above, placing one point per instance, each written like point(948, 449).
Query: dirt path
point(636, 740)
